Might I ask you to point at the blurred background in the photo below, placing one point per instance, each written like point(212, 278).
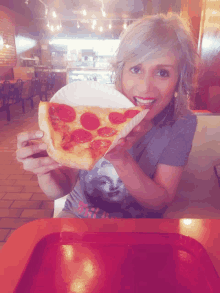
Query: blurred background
point(75, 39)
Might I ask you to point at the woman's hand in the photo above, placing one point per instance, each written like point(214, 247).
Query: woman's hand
point(32, 153)
point(119, 152)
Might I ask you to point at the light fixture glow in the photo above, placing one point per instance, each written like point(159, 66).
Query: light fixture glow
point(187, 221)
point(101, 29)
point(103, 13)
point(125, 26)
point(78, 26)
point(84, 12)
point(110, 26)
point(54, 14)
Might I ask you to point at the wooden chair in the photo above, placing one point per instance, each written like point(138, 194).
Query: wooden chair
point(43, 89)
point(26, 93)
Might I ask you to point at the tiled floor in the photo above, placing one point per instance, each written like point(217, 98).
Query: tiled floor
point(21, 199)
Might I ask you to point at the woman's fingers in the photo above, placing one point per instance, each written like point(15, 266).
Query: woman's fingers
point(24, 138)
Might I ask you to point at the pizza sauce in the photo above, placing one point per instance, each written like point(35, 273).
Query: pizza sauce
point(89, 127)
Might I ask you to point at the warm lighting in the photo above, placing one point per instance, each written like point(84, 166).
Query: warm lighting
point(125, 26)
point(7, 46)
point(103, 13)
point(101, 29)
point(110, 26)
point(54, 14)
point(24, 44)
point(84, 12)
point(94, 22)
point(68, 252)
point(1, 43)
point(187, 221)
point(48, 24)
point(78, 26)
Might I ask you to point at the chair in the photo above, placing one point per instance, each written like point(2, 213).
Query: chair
point(26, 93)
point(7, 92)
point(51, 81)
point(18, 90)
point(43, 89)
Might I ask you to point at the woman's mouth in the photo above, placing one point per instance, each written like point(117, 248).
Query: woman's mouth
point(146, 102)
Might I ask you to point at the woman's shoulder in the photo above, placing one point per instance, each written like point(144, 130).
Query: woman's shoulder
point(187, 123)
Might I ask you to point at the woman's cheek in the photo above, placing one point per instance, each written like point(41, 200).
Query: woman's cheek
point(128, 83)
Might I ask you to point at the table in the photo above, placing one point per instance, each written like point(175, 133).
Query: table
point(20, 244)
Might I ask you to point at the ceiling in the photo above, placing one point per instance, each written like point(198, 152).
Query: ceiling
point(69, 11)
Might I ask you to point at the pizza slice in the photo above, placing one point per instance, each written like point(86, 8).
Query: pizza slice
point(79, 136)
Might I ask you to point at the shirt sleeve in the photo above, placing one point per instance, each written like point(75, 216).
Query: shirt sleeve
point(177, 151)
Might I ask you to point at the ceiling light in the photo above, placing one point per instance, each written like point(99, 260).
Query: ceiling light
point(125, 26)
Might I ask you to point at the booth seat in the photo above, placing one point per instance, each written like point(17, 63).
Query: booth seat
point(198, 194)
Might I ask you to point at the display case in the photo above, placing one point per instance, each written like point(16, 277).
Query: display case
point(103, 76)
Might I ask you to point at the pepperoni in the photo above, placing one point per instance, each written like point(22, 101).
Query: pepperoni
point(81, 136)
point(116, 118)
point(64, 112)
point(131, 113)
point(106, 131)
point(89, 121)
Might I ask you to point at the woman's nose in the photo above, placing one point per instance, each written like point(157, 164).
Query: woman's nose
point(146, 85)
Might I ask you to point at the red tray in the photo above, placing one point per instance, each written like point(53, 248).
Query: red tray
point(118, 262)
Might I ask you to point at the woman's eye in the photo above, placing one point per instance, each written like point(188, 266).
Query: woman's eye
point(163, 73)
point(136, 69)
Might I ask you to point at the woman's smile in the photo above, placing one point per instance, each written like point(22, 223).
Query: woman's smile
point(151, 84)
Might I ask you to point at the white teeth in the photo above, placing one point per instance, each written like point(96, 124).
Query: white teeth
point(145, 102)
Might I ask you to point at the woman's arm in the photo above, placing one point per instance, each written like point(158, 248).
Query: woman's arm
point(59, 182)
point(149, 193)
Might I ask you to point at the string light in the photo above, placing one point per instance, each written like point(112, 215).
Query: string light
point(103, 13)
point(54, 14)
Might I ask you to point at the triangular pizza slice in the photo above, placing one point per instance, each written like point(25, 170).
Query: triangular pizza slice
point(79, 136)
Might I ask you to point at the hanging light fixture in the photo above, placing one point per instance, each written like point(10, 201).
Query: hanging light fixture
point(54, 14)
point(125, 26)
point(84, 12)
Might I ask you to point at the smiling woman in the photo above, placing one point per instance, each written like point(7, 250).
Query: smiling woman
point(155, 67)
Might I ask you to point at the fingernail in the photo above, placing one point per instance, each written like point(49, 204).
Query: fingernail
point(39, 134)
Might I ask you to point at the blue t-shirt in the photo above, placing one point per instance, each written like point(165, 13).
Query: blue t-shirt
point(100, 193)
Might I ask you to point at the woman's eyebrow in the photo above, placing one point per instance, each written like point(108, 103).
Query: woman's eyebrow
point(165, 65)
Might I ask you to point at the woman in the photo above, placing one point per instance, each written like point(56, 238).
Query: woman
point(155, 66)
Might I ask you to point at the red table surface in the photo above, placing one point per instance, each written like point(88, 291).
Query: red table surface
point(16, 253)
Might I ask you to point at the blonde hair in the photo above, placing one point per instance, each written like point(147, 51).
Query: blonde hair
point(152, 36)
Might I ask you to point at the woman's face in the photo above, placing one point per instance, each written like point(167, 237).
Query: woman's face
point(151, 84)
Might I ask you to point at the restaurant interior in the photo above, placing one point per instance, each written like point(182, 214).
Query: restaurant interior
point(47, 44)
